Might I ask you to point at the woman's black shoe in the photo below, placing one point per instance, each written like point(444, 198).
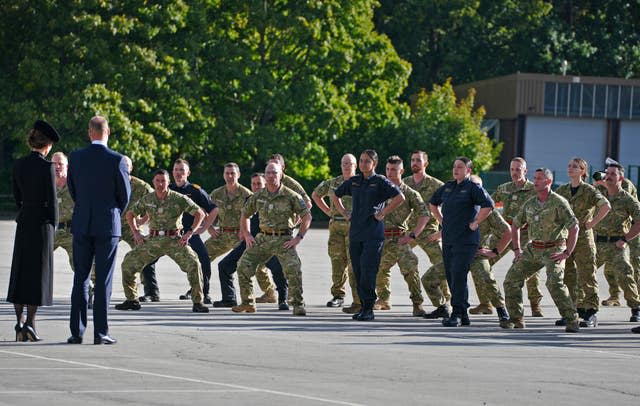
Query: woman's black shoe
point(19, 335)
point(30, 334)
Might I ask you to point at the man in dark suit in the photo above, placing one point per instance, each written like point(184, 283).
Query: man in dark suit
point(98, 181)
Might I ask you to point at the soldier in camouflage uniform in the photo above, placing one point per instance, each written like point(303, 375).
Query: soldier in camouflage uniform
point(613, 233)
point(493, 229)
point(164, 209)
point(262, 276)
point(513, 195)
point(139, 188)
point(396, 248)
point(553, 230)
point(590, 207)
point(338, 246)
point(278, 208)
point(63, 237)
point(634, 248)
point(434, 280)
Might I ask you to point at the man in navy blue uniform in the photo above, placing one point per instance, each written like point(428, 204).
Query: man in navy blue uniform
point(229, 264)
point(464, 205)
point(181, 184)
point(368, 191)
point(98, 181)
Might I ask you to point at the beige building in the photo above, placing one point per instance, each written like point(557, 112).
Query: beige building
point(549, 119)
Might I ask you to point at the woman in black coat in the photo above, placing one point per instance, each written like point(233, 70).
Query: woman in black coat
point(34, 189)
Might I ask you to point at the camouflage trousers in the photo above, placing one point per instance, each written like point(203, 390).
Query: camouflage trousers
point(218, 246)
point(618, 263)
point(531, 261)
point(154, 248)
point(264, 248)
point(580, 273)
point(485, 281)
point(401, 254)
point(338, 250)
point(64, 239)
point(434, 280)
point(610, 275)
point(534, 293)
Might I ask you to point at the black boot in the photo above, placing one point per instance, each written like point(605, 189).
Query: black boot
point(635, 315)
point(367, 313)
point(440, 312)
point(455, 319)
point(582, 313)
point(502, 314)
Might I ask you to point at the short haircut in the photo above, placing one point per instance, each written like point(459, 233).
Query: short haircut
point(520, 160)
point(232, 165)
point(277, 157)
point(466, 161)
point(257, 175)
point(371, 154)
point(99, 124)
point(181, 161)
point(425, 156)
point(547, 172)
point(61, 155)
point(394, 160)
point(161, 172)
point(616, 165)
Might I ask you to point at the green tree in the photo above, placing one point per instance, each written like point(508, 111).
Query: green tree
point(444, 127)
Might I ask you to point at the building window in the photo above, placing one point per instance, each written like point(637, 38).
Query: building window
point(587, 101)
point(635, 102)
point(625, 102)
point(550, 98)
point(575, 98)
point(600, 97)
point(613, 94)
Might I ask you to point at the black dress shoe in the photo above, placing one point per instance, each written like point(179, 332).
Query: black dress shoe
point(186, 296)
point(129, 305)
point(104, 340)
point(207, 299)
point(440, 312)
point(74, 340)
point(19, 335)
point(561, 322)
point(366, 315)
point(453, 321)
point(636, 330)
point(283, 306)
point(356, 315)
point(199, 308)
point(225, 303)
point(464, 320)
point(335, 302)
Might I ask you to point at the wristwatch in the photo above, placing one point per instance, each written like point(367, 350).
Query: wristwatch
point(412, 235)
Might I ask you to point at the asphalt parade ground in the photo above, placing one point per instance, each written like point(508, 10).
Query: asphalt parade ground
point(167, 355)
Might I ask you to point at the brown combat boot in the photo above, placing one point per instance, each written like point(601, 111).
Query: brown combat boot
point(382, 305)
point(512, 323)
point(611, 301)
point(572, 326)
point(536, 310)
point(353, 309)
point(299, 311)
point(244, 308)
point(418, 310)
point(269, 296)
point(482, 308)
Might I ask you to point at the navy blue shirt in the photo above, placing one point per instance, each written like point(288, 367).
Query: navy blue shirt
point(198, 196)
point(368, 197)
point(460, 203)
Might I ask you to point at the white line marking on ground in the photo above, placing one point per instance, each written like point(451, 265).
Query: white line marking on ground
point(39, 392)
point(181, 378)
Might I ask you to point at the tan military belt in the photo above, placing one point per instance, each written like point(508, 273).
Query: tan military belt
point(541, 245)
point(164, 233)
point(275, 232)
point(607, 238)
point(229, 229)
point(393, 232)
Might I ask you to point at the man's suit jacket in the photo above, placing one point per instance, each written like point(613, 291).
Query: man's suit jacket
point(99, 185)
